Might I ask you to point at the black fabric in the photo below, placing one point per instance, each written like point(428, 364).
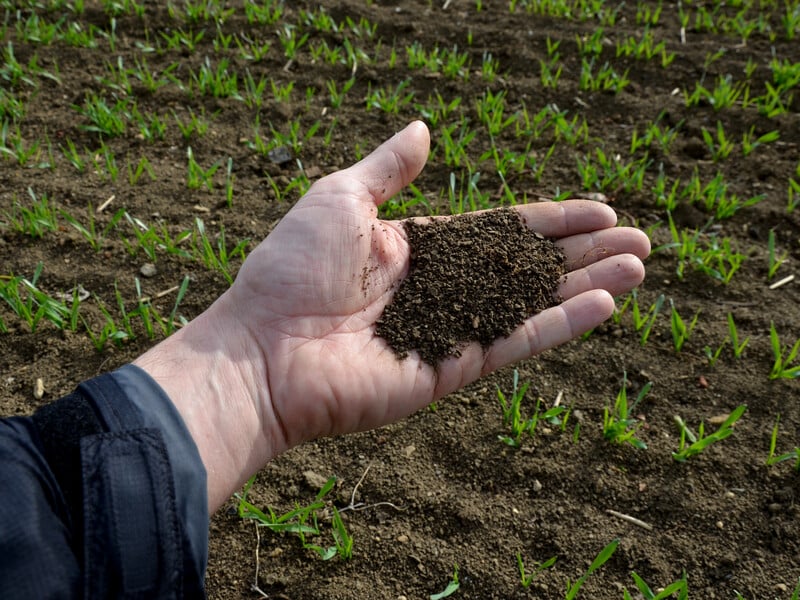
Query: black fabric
point(61, 426)
point(89, 504)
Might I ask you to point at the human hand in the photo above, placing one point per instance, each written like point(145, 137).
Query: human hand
point(310, 294)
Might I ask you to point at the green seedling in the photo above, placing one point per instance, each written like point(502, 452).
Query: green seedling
point(526, 580)
point(107, 120)
point(390, 101)
point(195, 125)
point(34, 221)
point(680, 587)
point(152, 241)
point(774, 261)
point(782, 367)
point(602, 558)
point(733, 332)
point(512, 413)
point(142, 167)
point(773, 459)
point(749, 144)
point(724, 94)
point(619, 424)
point(31, 304)
point(14, 147)
point(644, 321)
point(338, 95)
point(341, 537)
point(196, 175)
point(216, 82)
point(680, 330)
point(794, 191)
point(452, 586)
point(219, 259)
point(490, 67)
point(737, 347)
point(701, 441)
point(291, 41)
point(719, 148)
point(91, 233)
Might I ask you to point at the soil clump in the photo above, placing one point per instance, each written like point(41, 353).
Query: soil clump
point(474, 278)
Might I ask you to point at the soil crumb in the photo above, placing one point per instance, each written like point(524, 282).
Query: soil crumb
point(472, 278)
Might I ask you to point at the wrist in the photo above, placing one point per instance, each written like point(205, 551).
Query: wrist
point(216, 376)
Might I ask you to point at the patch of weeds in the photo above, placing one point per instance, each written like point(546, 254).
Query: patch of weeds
point(701, 441)
point(619, 426)
point(302, 521)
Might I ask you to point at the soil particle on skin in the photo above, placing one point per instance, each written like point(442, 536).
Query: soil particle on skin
point(472, 278)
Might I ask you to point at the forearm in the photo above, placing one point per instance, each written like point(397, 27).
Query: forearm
point(217, 380)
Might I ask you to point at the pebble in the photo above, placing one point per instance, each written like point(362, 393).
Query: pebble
point(402, 538)
point(537, 485)
point(315, 480)
point(38, 388)
point(720, 525)
point(148, 270)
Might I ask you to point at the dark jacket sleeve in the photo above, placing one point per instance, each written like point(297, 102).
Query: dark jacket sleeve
point(102, 495)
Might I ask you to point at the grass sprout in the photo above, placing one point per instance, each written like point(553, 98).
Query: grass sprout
point(680, 330)
point(452, 586)
point(680, 587)
point(527, 579)
point(602, 558)
point(619, 426)
point(773, 459)
point(782, 367)
point(701, 441)
point(512, 413)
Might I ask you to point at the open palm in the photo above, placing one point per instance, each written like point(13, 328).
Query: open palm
point(310, 294)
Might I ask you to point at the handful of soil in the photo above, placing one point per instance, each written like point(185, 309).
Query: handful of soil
point(473, 278)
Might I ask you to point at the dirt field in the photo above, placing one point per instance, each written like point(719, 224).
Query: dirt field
point(440, 489)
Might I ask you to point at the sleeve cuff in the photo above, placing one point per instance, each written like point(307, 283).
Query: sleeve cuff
point(157, 411)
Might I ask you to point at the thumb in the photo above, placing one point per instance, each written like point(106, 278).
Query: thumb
point(394, 164)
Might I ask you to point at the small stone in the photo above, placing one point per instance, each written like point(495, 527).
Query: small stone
point(38, 388)
point(315, 480)
point(409, 450)
point(730, 494)
point(276, 553)
point(402, 538)
point(781, 587)
point(718, 419)
point(537, 485)
point(148, 270)
point(720, 525)
point(775, 508)
point(279, 155)
point(702, 382)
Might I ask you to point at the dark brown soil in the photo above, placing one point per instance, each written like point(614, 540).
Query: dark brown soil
point(471, 279)
point(457, 494)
